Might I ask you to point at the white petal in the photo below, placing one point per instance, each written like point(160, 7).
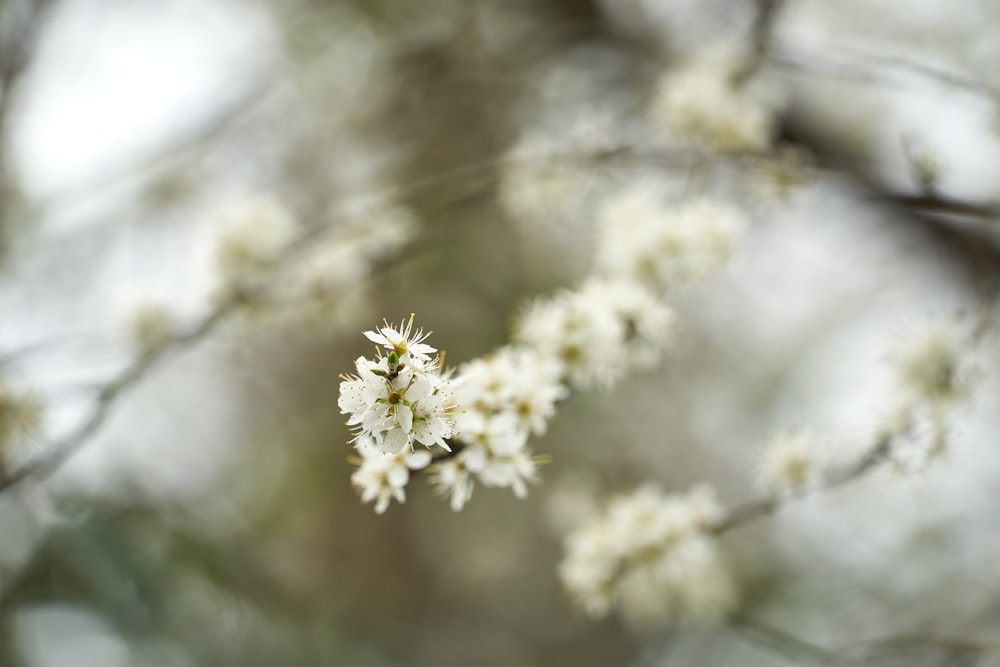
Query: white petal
point(398, 476)
point(394, 441)
point(377, 338)
point(418, 460)
point(404, 415)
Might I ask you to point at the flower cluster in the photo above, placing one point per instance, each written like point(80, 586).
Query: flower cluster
point(935, 377)
point(642, 238)
point(383, 477)
point(598, 333)
point(652, 558)
point(547, 176)
point(704, 101)
point(401, 397)
point(252, 234)
point(505, 398)
point(793, 460)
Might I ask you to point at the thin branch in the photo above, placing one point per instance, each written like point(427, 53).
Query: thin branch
point(775, 640)
point(768, 505)
point(955, 652)
point(15, 58)
point(761, 38)
point(878, 70)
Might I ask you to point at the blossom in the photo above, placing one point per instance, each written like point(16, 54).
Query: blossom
point(497, 451)
point(642, 238)
point(401, 398)
point(383, 478)
point(453, 479)
point(547, 176)
point(931, 365)
point(791, 461)
point(252, 234)
point(599, 332)
point(703, 101)
point(513, 380)
point(404, 341)
point(652, 557)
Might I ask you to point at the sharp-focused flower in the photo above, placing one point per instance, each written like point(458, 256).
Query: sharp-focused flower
point(404, 341)
point(401, 398)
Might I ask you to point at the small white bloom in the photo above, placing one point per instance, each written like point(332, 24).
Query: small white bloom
point(585, 338)
point(252, 235)
point(404, 341)
point(599, 332)
point(651, 557)
point(641, 238)
point(792, 460)
point(382, 478)
point(702, 102)
point(932, 365)
point(453, 479)
point(547, 177)
point(513, 380)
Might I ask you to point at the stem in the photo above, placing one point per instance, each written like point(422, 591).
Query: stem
point(768, 505)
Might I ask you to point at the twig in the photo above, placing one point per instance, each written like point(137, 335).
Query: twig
point(958, 652)
point(767, 505)
point(761, 38)
point(778, 641)
point(876, 70)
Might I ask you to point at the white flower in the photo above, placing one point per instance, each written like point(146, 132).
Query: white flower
point(647, 326)
point(496, 451)
point(932, 366)
point(547, 176)
point(515, 381)
point(583, 337)
point(791, 461)
point(452, 477)
point(641, 238)
point(383, 477)
point(652, 558)
point(600, 332)
point(252, 235)
point(400, 398)
point(404, 341)
point(703, 102)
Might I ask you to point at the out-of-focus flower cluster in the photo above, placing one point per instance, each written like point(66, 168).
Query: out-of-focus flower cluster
point(708, 102)
point(651, 557)
point(22, 414)
point(935, 376)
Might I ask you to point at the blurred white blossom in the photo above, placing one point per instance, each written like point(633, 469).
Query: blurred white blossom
point(652, 558)
point(382, 478)
point(252, 234)
point(792, 460)
point(704, 101)
point(642, 238)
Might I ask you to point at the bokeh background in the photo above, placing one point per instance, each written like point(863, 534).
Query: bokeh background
point(211, 521)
